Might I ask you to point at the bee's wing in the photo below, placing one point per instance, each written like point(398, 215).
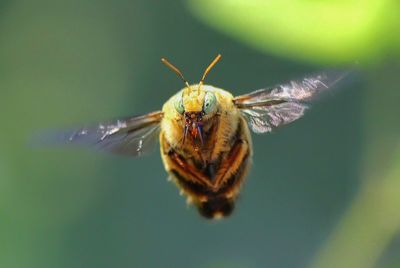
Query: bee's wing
point(131, 136)
point(266, 109)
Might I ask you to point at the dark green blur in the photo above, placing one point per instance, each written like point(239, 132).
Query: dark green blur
point(323, 191)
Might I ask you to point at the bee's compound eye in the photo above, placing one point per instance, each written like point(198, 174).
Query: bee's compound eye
point(209, 102)
point(178, 103)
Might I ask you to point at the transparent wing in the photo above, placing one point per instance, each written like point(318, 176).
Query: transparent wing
point(266, 109)
point(131, 136)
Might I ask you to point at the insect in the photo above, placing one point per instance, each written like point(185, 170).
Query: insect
point(204, 134)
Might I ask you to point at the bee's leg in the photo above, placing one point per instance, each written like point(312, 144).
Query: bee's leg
point(178, 165)
point(230, 174)
point(191, 172)
point(233, 168)
point(200, 155)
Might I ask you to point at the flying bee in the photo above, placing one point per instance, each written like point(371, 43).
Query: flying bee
point(204, 134)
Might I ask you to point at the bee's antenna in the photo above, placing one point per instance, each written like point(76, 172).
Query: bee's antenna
point(176, 70)
point(212, 64)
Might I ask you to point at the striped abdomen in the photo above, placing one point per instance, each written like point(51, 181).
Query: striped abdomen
point(212, 184)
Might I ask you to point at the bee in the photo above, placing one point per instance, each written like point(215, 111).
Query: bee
point(204, 134)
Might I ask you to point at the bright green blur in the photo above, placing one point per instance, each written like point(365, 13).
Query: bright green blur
point(333, 31)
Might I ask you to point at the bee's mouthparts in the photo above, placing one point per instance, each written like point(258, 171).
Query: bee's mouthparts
point(193, 125)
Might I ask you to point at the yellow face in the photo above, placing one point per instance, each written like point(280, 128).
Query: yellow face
point(190, 110)
point(193, 98)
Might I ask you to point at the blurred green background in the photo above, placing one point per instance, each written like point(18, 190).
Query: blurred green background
point(323, 192)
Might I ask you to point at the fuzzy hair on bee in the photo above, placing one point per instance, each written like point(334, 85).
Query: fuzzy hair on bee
point(210, 163)
point(204, 134)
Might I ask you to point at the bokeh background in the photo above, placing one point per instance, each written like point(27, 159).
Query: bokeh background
point(323, 192)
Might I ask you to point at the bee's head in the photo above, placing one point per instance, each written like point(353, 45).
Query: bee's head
point(195, 103)
point(196, 110)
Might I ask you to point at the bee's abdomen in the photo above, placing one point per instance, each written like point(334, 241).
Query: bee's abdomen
point(216, 207)
point(212, 203)
point(213, 188)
